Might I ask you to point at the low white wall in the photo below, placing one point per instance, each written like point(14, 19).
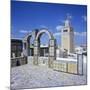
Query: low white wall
point(68, 65)
point(17, 61)
point(65, 66)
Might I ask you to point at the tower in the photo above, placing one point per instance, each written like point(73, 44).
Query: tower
point(67, 37)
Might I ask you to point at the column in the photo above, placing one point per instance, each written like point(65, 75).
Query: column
point(24, 48)
point(52, 52)
point(36, 52)
point(28, 46)
point(80, 64)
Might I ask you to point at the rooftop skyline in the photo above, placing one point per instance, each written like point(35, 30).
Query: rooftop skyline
point(27, 16)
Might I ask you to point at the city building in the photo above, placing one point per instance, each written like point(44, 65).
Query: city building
point(16, 47)
point(81, 49)
point(67, 37)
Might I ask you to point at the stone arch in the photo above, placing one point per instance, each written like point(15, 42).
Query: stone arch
point(26, 42)
point(44, 31)
point(52, 47)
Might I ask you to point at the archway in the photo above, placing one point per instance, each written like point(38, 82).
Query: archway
point(26, 43)
point(52, 47)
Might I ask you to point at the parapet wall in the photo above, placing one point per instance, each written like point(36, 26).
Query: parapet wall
point(66, 66)
point(17, 61)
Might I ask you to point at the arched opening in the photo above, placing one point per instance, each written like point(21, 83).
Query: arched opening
point(28, 43)
point(44, 49)
point(51, 48)
point(44, 45)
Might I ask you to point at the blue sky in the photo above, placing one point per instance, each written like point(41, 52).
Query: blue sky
point(27, 16)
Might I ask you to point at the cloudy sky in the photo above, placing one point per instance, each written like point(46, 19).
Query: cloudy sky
point(27, 16)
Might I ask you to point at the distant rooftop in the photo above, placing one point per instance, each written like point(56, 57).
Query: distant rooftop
point(16, 38)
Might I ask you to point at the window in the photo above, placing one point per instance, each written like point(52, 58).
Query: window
point(65, 31)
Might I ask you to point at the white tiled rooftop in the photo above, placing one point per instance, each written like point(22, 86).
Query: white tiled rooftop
point(30, 76)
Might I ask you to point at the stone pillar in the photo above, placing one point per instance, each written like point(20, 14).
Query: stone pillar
point(80, 64)
point(25, 48)
point(36, 52)
point(52, 52)
point(28, 46)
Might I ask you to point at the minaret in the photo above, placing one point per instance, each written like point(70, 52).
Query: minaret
point(67, 37)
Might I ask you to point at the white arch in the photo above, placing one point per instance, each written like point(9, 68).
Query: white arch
point(44, 31)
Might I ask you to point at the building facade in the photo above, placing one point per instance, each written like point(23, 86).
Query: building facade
point(16, 47)
point(67, 37)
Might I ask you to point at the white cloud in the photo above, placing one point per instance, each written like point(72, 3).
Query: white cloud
point(24, 31)
point(75, 33)
point(84, 18)
point(59, 27)
point(80, 33)
point(56, 34)
point(43, 26)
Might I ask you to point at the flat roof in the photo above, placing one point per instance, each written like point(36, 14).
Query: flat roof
point(16, 38)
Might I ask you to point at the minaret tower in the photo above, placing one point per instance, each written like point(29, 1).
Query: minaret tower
point(67, 36)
